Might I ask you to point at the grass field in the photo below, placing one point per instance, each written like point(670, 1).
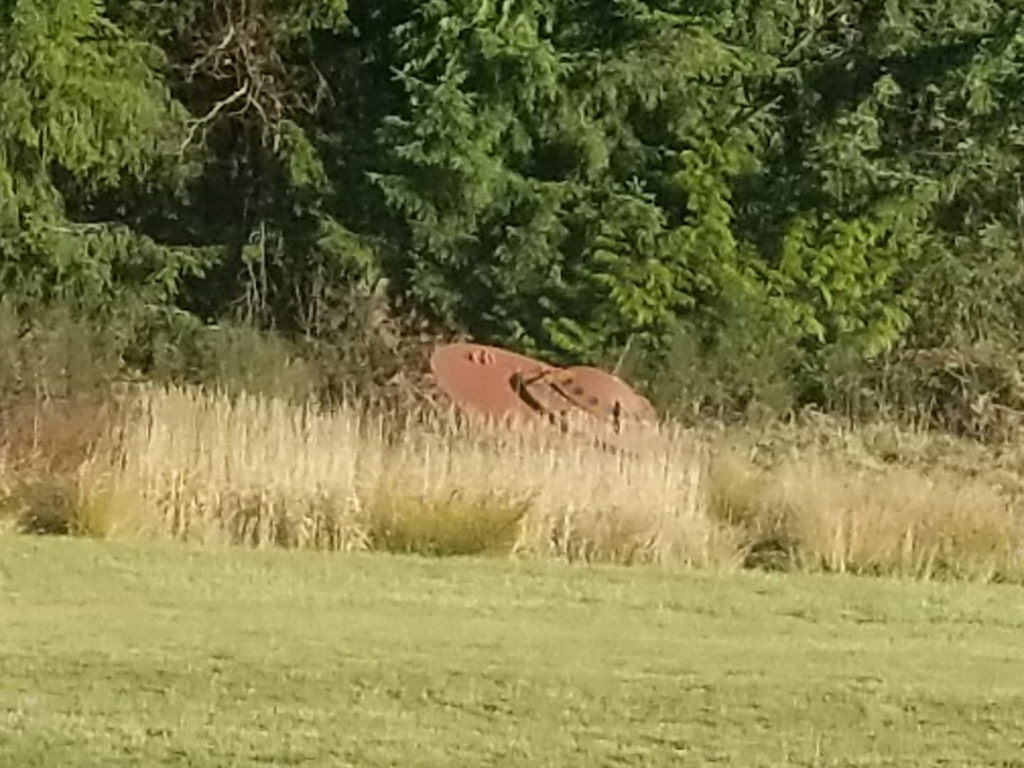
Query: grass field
point(116, 654)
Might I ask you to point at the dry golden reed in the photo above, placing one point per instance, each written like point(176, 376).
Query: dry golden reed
point(249, 470)
point(212, 468)
point(813, 512)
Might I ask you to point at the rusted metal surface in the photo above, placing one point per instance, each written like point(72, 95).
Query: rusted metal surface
point(479, 378)
point(543, 396)
point(602, 394)
point(500, 384)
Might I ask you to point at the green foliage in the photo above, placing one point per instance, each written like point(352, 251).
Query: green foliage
point(770, 186)
point(588, 206)
point(889, 182)
point(233, 358)
point(83, 112)
point(49, 354)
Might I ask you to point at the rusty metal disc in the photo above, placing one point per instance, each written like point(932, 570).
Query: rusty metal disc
point(542, 395)
point(479, 378)
point(602, 394)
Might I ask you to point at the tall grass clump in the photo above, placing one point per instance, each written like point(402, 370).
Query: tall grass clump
point(243, 469)
point(812, 512)
point(42, 447)
point(238, 469)
point(252, 470)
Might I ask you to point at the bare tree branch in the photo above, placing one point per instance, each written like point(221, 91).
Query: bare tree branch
point(211, 115)
point(211, 53)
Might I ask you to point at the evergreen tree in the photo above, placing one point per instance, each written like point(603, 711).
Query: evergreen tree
point(82, 112)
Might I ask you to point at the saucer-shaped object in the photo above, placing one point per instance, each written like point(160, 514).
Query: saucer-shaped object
point(602, 394)
point(479, 378)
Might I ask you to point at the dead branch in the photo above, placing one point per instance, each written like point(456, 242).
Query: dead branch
point(211, 53)
point(239, 47)
point(212, 115)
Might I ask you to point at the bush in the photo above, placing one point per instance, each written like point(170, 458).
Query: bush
point(451, 525)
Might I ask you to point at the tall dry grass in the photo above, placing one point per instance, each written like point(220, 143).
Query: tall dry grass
point(256, 471)
point(813, 513)
point(248, 470)
point(42, 446)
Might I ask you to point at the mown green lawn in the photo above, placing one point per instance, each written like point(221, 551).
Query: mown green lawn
point(155, 655)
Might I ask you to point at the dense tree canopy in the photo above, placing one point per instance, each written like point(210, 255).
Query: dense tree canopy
point(574, 178)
